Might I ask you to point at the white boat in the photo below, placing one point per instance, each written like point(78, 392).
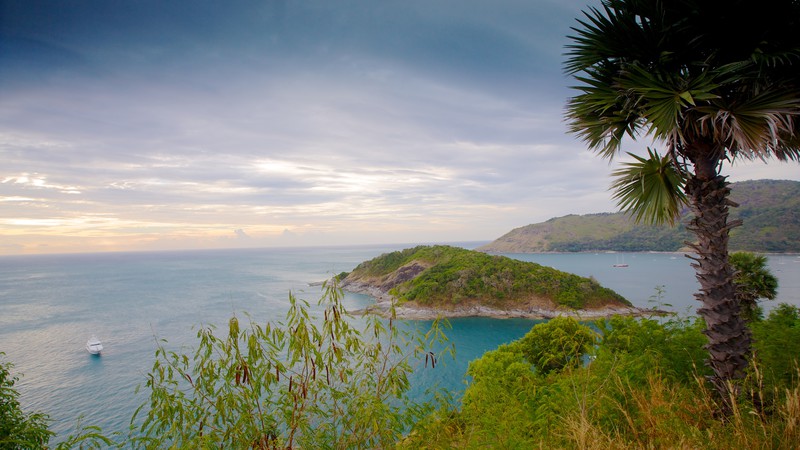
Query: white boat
point(94, 346)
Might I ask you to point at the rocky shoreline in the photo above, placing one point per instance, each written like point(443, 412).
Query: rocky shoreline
point(411, 311)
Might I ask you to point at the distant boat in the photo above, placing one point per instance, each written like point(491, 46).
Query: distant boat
point(620, 265)
point(94, 346)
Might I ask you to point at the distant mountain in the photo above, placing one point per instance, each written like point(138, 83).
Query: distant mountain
point(770, 210)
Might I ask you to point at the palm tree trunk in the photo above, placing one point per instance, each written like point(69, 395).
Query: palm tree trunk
point(728, 336)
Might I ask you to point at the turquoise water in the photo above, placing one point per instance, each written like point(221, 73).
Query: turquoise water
point(51, 304)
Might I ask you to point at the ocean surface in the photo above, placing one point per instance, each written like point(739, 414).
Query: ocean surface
point(51, 304)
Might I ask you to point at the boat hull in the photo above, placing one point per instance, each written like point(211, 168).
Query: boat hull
point(94, 346)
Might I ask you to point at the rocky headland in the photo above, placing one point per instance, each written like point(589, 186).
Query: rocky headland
point(426, 283)
point(388, 306)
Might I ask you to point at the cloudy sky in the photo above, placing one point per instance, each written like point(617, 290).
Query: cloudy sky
point(149, 124)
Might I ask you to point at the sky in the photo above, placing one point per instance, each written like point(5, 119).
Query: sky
point(159, 125)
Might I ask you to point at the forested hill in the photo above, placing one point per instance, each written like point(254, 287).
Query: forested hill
point(770, 210)
point(452, 279)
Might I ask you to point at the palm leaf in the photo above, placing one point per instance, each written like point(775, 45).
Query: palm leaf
point(755, 127)
point(667, 98)
point(602, 114)
point(650, 189)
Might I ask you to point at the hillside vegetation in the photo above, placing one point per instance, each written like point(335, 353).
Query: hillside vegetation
point(622, 384)
point(770, 210)
point(444, 275)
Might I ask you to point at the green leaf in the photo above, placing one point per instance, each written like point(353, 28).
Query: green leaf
point(650, 189)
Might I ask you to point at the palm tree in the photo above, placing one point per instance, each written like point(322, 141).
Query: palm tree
point(753, 281)
point(712, 81)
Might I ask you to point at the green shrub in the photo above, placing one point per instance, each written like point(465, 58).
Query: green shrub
point(674, 347)
point(643, 388)
point(18, 429)
point(304, 383)
point(557, 344)
point(776, 350)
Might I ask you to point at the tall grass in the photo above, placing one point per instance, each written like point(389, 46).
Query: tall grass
point(658, 414)
point(645, 388)
point(663, 415)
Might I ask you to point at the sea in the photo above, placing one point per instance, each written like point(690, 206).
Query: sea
point(51, 304)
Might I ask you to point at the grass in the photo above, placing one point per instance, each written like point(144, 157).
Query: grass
point(644, 388)
point(658, 414)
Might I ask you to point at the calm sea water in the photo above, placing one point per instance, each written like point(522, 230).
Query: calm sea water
point(51, 304)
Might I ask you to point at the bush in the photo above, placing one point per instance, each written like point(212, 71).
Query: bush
point(673, 347)
point(643, 388)
point(305, 383)
point(18, 430)
point(776, 351)
point(557, 344)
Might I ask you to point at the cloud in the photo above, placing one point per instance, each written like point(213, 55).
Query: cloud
point(167, 125)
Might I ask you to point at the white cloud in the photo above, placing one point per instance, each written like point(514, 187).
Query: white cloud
point(303, 123)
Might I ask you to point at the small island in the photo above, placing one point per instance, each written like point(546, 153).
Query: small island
point(427, 282)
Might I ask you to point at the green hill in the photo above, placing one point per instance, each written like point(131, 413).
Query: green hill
point(770, 210)
point(446, 277)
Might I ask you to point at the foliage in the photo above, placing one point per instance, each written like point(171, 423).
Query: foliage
point(666, 70)
point(655, 180)
point(18, 429)
point(308, 382)
point(305, 383)
point(776, 349)
point(753, 281)
point(451, 275)
point(341, 276)
point(557, 344)
point(389, 262)
point(497, 399)
point(642, 388)
point(90, 437)
point(673, 347)
point(669, 70)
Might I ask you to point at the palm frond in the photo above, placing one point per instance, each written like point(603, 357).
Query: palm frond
point(667, 98)
point(671, 70)
point(760, 126)
point(650, 189)
point(601, 114)
point(592, 42)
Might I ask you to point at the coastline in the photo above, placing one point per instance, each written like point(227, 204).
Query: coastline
point(412, 311)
